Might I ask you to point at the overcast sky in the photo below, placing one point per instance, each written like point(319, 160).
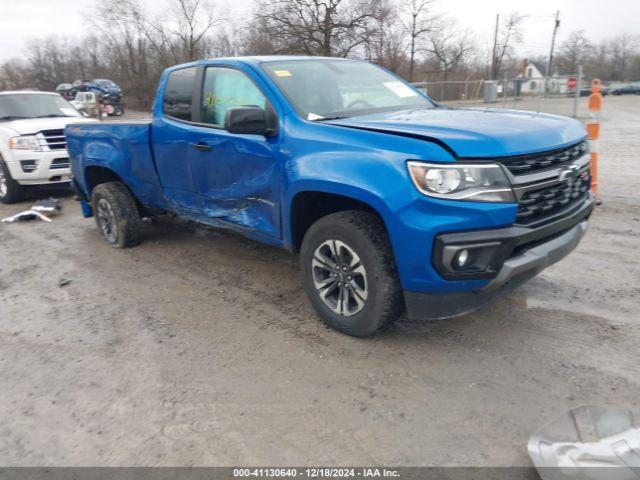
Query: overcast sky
point(21, 20)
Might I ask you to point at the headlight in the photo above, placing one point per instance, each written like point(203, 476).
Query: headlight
point(478, 183)
point(25, 143)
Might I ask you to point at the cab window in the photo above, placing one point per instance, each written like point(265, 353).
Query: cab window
point(224, 88)
point(178, 93)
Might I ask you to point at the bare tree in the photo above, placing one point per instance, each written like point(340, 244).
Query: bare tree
point(395, 58)
point(574, 51)
point(448, 46)
point(621, 49)
point(381, 26)
point(129, 45)
point(13, 75)
point(509, 34)
point(419, 20)
point(139, 46)
point(194, 20)
point(257, 39)
point(314, 27)
point(224, 43)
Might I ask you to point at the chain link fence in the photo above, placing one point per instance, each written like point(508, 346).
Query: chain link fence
point(551, 94)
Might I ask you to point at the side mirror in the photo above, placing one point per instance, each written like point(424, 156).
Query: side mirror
point(246, 120)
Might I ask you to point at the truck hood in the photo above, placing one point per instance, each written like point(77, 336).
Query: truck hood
point(34, 125)
point(475, 132)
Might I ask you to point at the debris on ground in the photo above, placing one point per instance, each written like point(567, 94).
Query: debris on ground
point(586, 439)
point(64, 282)
point(42, 209)
point(51, 206)
point(25, 216)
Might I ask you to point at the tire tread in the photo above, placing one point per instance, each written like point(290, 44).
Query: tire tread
point(124, 208)
point(371, 227)
point(15, 191)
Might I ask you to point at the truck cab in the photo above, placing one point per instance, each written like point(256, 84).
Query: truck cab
point(394, 203)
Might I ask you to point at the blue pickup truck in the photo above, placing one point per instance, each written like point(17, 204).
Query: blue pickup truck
point(395, 204)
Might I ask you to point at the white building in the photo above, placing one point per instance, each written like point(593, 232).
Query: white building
point(533, 81)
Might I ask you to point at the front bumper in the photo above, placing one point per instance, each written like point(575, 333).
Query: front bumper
point(47, 167)
point(531, 251)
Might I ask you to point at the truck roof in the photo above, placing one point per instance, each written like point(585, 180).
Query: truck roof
point(257, 59)
point(284, 58)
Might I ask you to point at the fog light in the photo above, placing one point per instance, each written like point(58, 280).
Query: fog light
point(462, 258)
point(470, 260)
point(29, 165)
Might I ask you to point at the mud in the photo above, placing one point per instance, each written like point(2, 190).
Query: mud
point(199, 348)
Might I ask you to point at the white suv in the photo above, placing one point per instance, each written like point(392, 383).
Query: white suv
point(33, 149)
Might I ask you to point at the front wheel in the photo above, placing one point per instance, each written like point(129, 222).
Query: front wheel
point(10, 190)
point(349, 273)
point(116, 214)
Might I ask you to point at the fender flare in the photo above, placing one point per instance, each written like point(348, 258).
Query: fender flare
point(367, 197)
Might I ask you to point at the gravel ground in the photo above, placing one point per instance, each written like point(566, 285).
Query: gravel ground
point(199, 348)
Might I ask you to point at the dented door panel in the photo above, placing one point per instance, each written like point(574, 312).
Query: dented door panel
point(237, 179)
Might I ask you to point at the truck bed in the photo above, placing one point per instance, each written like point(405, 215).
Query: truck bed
point(123, 148)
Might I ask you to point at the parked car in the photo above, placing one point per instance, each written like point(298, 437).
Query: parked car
point(106, 86)
point(586, 91)
point(33, 149)
point(78, 86)
point(111, 95)
point(633, 89)
point(393, 202)
point(64, 89)
point(86, 86)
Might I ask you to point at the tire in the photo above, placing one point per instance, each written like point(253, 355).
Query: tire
point(116, 214)
point(118, 110)
point(373, 294)
point(10, 190)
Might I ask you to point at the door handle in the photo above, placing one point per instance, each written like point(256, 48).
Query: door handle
point(203, 147)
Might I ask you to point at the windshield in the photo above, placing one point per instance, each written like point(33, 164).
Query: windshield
point(24, 105)
point(325, 89)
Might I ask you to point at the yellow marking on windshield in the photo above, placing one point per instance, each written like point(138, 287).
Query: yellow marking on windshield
point(283, 73)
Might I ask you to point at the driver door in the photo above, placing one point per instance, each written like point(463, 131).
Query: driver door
point(235, 175)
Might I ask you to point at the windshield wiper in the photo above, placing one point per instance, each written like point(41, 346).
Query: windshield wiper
point(335, 117)
point(11, 117)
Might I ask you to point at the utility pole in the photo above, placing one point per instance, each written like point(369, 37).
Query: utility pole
point(494, 61)
point(548, 73)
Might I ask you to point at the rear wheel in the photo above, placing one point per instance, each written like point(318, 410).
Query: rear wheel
point(349, 273)
point(10, 190)
point(116, 214)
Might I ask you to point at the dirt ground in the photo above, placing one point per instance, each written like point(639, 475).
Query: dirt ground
point(199, 348)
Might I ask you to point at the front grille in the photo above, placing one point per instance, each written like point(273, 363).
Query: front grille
point(535, 162)
point(54, 139)
point(59, 163)
point(540, 204)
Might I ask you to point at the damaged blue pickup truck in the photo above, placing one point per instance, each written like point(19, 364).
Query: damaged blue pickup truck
point(395, 204)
